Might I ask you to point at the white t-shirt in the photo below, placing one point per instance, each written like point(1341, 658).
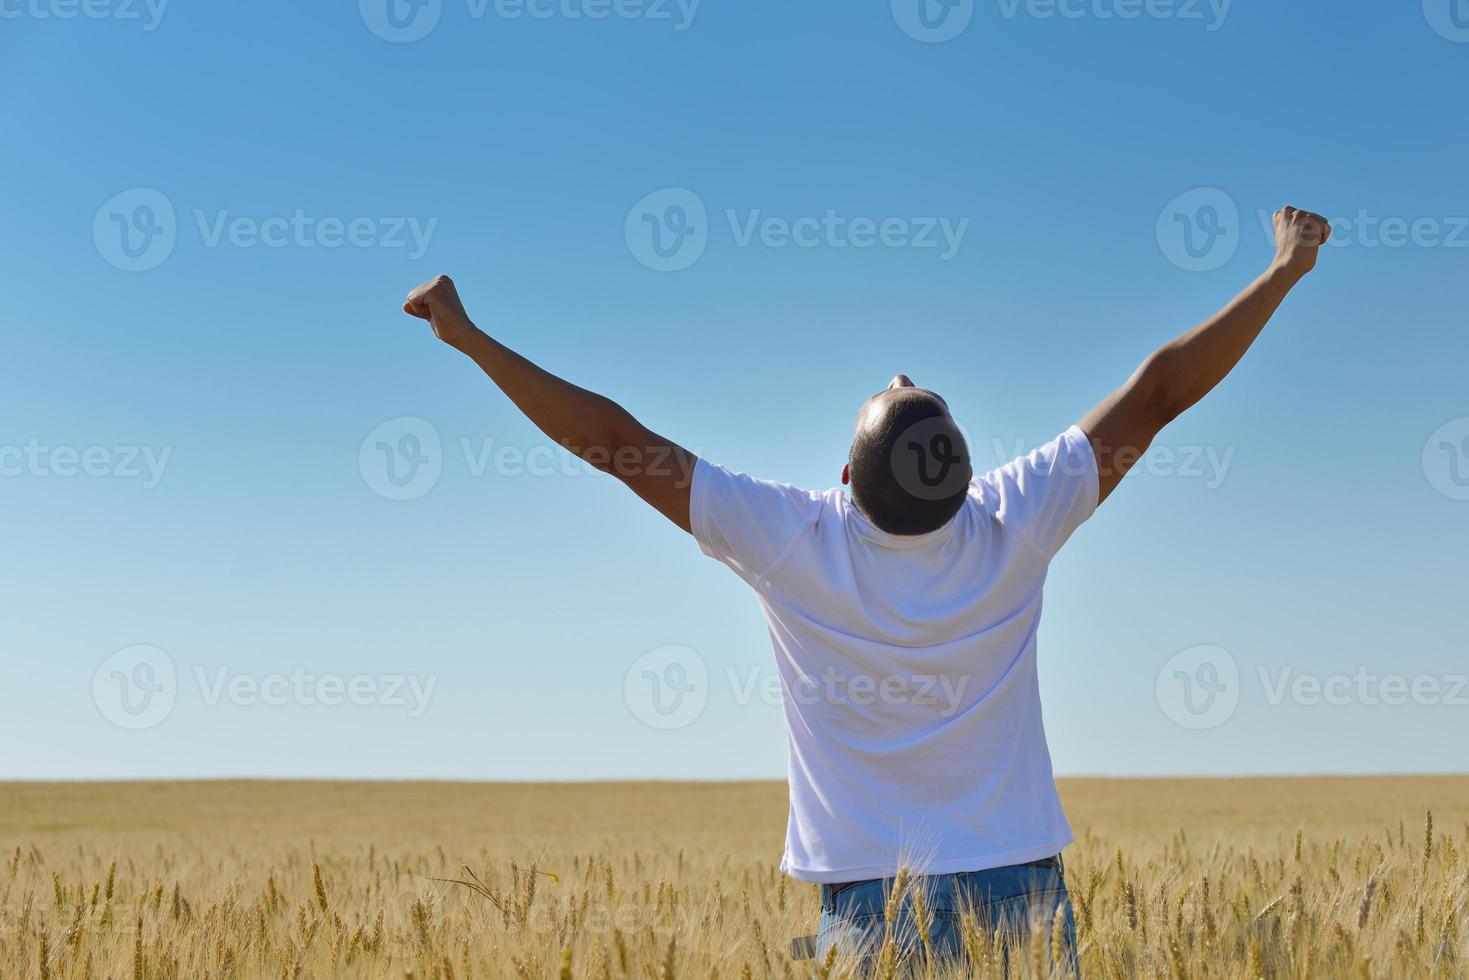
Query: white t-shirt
point(908, 664)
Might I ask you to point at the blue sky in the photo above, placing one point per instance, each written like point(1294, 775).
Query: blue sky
point(189, 433)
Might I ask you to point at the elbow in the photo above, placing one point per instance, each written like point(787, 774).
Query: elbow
point(618, 449)
point(1163, 397)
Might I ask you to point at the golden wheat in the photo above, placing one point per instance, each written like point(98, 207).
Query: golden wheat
point(1170, 878)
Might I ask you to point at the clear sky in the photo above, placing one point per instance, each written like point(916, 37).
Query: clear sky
point(213, 211)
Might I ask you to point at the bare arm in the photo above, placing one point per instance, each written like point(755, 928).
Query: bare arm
point(1183, 371)
point(592, 427)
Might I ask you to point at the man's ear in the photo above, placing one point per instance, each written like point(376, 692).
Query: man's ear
point(846, 474)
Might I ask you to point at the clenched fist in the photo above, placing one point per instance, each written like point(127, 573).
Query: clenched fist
point(1299, 235)
point(437, 301)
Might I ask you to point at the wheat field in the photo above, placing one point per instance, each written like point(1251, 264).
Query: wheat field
point(1171, 878)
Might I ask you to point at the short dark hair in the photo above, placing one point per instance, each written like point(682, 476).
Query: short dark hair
point(909, 464)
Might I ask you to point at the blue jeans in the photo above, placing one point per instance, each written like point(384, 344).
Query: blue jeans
point(1011, 903)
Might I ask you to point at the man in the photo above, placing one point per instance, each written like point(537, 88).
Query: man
point(904, 619)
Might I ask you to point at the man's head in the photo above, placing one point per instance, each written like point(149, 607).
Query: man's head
point(909, 466)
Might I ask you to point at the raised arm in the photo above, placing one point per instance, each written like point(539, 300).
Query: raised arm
point(1183, 371)
point(592, 427)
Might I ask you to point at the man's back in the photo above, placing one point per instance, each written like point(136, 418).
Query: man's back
point(904, 621)
point(908, 663)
